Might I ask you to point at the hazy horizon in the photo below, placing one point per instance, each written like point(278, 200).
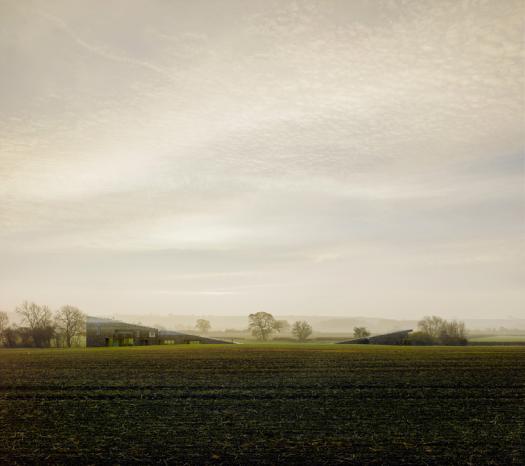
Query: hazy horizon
point(325, 158)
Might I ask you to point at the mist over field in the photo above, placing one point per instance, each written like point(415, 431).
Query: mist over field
point(326, 324)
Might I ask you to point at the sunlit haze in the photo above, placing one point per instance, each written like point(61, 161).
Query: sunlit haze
point(338, 158)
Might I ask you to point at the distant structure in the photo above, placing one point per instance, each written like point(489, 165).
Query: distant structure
point(394, 338)
point(170, 337)
point(109, 332)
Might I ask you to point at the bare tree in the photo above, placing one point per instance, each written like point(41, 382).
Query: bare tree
point(431, 326)
point(203, 325)
point(282, 325)
point(39, 320)
point(301, 330)
point(4, 321)
point(441, 331)
point(453, 332)
point(262, 325)
point(361, 332)
point(71, 322)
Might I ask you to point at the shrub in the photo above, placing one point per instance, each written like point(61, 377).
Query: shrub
point(420, 339)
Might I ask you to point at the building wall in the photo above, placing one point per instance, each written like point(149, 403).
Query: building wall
point(114, 333)
point(107, 332)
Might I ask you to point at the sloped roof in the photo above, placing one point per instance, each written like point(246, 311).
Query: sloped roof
point(91, 320)
point(173, 333)
point(371, 339)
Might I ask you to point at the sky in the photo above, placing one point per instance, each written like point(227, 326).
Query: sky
point(298, 157)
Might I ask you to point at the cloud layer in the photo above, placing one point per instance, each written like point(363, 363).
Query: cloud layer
point(323, 157)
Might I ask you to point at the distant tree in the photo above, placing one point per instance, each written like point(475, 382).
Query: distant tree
point(39, 320)
point(420, 339)
point(453, 333)
point(11, 337)
point(262, 325)
point(24, 335)
point(440, 331)
point(301, 330)
point(282, 325)
point(361, 332)
point(431, 326)
point(71, 322)
point(203, 325)
point(4, 321)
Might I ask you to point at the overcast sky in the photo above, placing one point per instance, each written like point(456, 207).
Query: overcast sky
point(325, 157)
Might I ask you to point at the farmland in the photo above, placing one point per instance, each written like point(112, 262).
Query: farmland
point(263, 403)
point(499, 339)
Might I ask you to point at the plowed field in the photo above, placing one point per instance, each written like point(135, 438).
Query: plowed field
point(241, 404)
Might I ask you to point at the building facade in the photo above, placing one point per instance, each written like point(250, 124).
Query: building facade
point(109, 332)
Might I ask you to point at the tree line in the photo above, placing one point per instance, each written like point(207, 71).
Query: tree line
point(41, 327)
point(263, 325)
point(434, 330)
point(431, 330)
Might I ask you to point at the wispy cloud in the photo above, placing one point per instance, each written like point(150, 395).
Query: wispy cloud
point(100, 50)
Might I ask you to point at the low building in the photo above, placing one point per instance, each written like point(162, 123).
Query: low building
point(394, 338)
point(109, 332)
